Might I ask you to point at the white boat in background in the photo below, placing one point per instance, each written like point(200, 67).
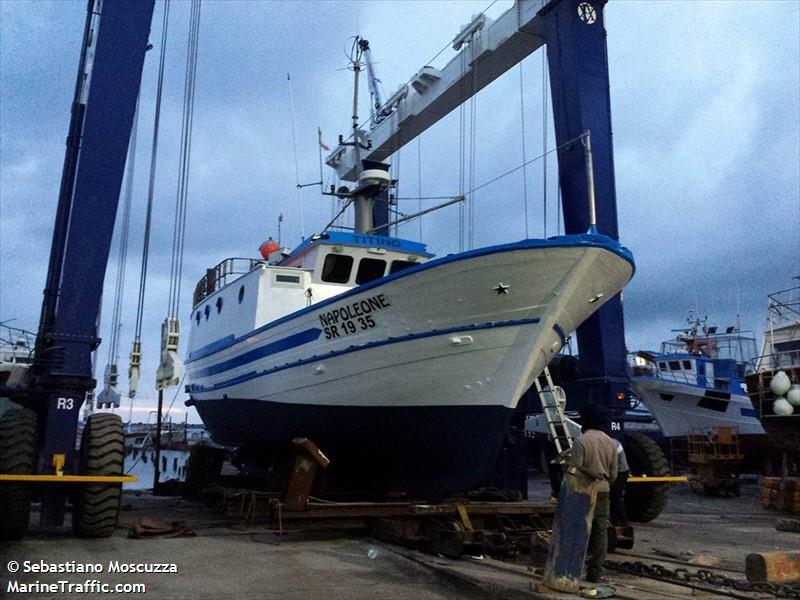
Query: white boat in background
point(176, 443)
point(16, 354)
point(774, 383)
point(697, 381)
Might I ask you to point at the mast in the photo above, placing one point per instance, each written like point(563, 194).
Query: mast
point(371, 181)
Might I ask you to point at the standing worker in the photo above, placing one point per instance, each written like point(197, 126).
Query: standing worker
point(619, 517)
point(594, 457)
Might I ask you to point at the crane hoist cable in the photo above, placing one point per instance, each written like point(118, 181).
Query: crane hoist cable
point(461, 155)
point(473, 108)
point(473, 121)
point(298, 188)
point(544, 139)
point(524, 154)
point(389, 198)
point(419, 182)
point(170, 369)
point(109, 396)
point(134, 368)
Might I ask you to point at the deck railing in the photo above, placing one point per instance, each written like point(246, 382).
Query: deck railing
point(784, 307)
point(16, 345)
point(777, 360)
point(221, 275)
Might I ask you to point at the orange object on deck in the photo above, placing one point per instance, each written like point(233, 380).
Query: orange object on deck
point(268, 247)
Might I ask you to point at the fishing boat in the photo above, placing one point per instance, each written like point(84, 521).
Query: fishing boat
point(402, 367)
point(697, 380)
point(774, 381)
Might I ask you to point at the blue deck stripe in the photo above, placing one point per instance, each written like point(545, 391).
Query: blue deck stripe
point(334, 353)
point(747, 412)
point(564, 241)
point(292, 341)
point(216, 346)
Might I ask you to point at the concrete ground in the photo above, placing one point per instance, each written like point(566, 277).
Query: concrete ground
point(228, 560)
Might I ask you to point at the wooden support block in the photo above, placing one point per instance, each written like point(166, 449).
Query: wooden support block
point(792, 525)
point(773, 567)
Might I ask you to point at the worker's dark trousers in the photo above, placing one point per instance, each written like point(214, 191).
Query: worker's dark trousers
point(618, 515)
point(598, 539)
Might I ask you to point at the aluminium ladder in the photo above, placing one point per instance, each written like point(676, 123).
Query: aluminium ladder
point(553, 402)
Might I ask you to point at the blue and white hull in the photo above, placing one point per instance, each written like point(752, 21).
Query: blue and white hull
point(407, 382)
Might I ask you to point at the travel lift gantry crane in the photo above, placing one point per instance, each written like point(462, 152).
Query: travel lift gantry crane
point(37, 441)
point(575, 38)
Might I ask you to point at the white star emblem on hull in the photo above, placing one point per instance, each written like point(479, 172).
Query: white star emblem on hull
point(501, 288)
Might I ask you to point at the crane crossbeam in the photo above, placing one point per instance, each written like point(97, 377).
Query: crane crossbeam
point(492, 47)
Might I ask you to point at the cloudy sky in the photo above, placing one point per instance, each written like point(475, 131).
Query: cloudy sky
point(706, 115)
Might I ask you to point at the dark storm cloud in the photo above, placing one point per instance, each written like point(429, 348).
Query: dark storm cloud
point(706, 130)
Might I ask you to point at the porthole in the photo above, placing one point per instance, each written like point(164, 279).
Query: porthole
point(207, 311)
point(241, 294)
point(219, 305)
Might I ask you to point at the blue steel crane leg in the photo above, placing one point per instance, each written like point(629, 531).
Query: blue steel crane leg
point(578, 64)
point(63, 366)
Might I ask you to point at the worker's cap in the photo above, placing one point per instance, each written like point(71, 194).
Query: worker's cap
point(594, 417)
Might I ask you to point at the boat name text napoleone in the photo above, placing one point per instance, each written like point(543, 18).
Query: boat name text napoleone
point(353, 317)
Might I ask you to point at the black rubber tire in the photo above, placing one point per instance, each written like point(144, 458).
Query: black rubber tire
point(645, 501)
point(95, 508)
point(17, 457)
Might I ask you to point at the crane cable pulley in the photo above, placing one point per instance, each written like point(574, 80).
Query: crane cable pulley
point(170, 369)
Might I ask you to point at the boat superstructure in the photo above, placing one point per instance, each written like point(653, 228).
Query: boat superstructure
point(16, 355)
point(774, 382)
point(697, 380)
point(16, 350)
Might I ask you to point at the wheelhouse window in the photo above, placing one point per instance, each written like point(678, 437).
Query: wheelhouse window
point(399, 265)
point(687, 365)
point(369, 269)
point(337, 268)
point(279, 278)
point(674, 365)
point(662, 366)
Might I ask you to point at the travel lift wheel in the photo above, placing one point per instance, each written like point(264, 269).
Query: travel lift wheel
point(645, 501)
point(17, 457)
point(95, 508)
